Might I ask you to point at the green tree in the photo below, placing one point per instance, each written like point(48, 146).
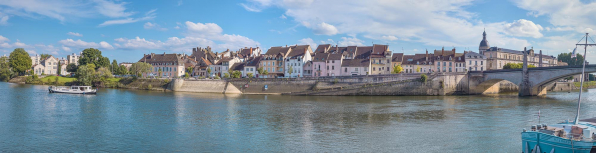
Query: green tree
point(5, 72)
point(290, 70)
point(189, 70)
point(260, 70)
point(226, 75)
point(122, 70)
point(209, 71)
point(159, 71)
point(19, 61)
point(236, 74)
point(139, 68)
point(249, 75)
point(91, 55)
point(423, 78)
point(59, 68)
point(186, 75)
point(86, 74)
point(104, 72)
point(114, 67)
point(72, 67)
point(44, 56)
point(566, 57)
point(397, 69)
point(418, 69)
point(516, 66)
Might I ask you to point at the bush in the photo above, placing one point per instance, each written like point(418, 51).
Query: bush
point(226, 75)
point(216, 77)
point(149, 87)
point(186, 76)
point(335, 81)
point(423, 78)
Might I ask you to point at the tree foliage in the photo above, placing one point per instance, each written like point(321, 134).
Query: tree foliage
point(59, 72)
point(5, 72)
point(114, 67)
point(566, 57)
point(72, 67)
point(121, 70)
point(44, 56)
point(397, 69)
point(86, 74)
point(290, 70)
point(139, 68)
point(516, 66)
point(19, 61)
point(236, 74)
point(92, 55)
point(249, 75)
point(423, 78)
point(226, 75)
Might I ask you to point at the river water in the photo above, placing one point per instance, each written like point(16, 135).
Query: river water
point(33, 120)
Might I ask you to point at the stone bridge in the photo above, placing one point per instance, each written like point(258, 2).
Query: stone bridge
point(531, 82)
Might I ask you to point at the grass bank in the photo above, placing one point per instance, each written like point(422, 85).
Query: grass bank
point(125, 83)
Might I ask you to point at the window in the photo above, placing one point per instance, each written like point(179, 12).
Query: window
point(449, 63)
point(481, 62)
point(345, 69)
point(333, 61)
point(355, 69)
point(439, 63)
point(327, 67)
point(332, 67)
point(374, 68)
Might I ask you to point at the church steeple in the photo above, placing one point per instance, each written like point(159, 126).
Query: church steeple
point(483, 44)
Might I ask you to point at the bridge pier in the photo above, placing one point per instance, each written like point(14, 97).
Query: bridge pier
point(524, 87)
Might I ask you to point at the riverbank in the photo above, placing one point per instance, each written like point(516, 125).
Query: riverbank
point(121, 83)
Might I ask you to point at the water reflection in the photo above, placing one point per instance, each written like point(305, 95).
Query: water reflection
point(153, 121)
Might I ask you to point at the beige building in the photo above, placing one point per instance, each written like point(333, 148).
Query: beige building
point(498, 57)
point(48, 66)
point(170, 65)
point(73, 58)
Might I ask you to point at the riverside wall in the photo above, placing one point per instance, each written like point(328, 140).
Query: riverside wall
point(438, 84)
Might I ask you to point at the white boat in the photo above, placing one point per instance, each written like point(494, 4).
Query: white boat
point(72, 89)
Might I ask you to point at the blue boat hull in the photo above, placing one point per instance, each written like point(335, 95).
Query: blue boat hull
point(532, 141)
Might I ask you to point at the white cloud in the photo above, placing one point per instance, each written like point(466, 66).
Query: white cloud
point(324, 29)
point(56, 9)
point(198, 34)
point(353, 41)
point(3, 19)
point(436, 23)
point(3, 39)
point(112, 9)
point(75, 34)
point(66, 49)
point(80, 44)
point(559, 28)
point(48, 49)
point(283, 17)
point(177, 27)
point(179, 2)
point(523, 28)
point(105, 45)
point(307, 41)
point(148, 16)
point(155, 26)
point(389, 38)
point(570, 13)
point(203, 29)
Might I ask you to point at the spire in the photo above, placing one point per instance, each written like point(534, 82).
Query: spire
point(484, 34)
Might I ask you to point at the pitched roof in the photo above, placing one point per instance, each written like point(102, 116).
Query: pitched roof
point(336, 56)
point(363, 52)
point(238, 66)
point(322, 48)
point(254, 61)
point(379, 49)
point(355, 63)
point(299, 50)
point(321, 57)
point(397, 57)
point(162, 58)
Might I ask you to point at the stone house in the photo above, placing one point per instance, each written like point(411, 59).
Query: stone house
point(170, 65)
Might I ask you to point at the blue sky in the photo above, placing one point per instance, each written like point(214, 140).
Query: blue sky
point(126, 29)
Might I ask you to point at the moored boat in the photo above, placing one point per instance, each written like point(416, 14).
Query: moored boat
point(72, 89)
point(577, 136)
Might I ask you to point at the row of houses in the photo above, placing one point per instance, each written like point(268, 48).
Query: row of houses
point(329, 60)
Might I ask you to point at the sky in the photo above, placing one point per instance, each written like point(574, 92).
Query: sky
point(126, 29)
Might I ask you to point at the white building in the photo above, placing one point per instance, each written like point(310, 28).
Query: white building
point(73, 58)
point(295, 60)
point(48, 66)
point(475, 61)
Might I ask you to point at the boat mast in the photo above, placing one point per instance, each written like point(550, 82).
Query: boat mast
point(581, 86)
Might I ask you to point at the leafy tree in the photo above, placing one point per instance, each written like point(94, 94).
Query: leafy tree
point(423, 78)
point(139, 68)
point(19, 61)
point(249, 75)
point(44, 56)
point(189, 70)
point(260, 70)
point(265, 72)
point(186, 75)
point(236, 74)
point(5, 72)
point(566, 57)
point(397, 69)
point(159, 71)
point(516, 66)
point(114, 67)
point(121, 70)
point(209, 71)
point(72, 67)
point(91, 55)
point(290, 70)
point(418, 69)
point(104, 72)
point(226, 75)
point(59, 68)
point(86, 74)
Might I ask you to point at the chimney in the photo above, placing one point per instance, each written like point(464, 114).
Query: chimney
point(286, 46)
point(442, 51)
point(427, 54)
point(194, 50)
point(152, 54)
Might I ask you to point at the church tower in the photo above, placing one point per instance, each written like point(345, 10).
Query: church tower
point(483, 44)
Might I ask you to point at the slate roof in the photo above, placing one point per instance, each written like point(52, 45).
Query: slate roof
point(238, 66)
point(474, 55)
point(162, 58)
point(254, 61)
point(355, 63)
point(336, 56)
point(397, 57)
point(363, 52)
point(320, 57)
point(322, 48)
